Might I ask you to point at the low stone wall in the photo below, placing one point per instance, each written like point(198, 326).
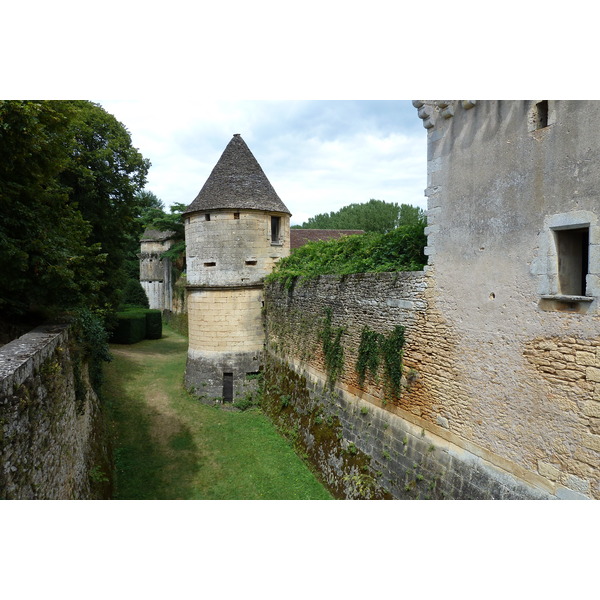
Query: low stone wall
point(366, 451)
point(399, 436)
point(51, 427)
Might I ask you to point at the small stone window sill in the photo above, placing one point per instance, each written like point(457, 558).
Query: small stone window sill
point(563, 298)
point(277, 243)
point(564, 303)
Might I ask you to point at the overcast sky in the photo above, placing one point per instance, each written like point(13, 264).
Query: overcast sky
point(318, 155)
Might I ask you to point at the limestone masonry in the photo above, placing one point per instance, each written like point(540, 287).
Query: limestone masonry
point(500, 334)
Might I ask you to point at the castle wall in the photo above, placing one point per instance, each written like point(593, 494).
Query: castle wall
point(526, 360)
point(156, 274)
point(226, 335)
point(228, 255)
point(51, 442)
point(233, 247)
point(363, 438)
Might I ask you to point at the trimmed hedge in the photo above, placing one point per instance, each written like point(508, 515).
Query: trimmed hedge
point(136, 325)
point(153, 324)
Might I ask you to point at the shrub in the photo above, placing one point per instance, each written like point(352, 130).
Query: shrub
point(134, 294)
point(399, 250)
point(131, 328)
point(135, 324)
point(153, 324)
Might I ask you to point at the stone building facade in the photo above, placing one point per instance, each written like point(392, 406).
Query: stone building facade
point(514, 281)
point(155, 271)
point(236, 229)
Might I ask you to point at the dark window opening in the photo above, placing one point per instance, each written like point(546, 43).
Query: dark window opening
point(251, 262)
point(236, 215)
point(573, 249)
point(227, 387)
point(210, 264)
point(275, 227)
point(207, 217)
point(541, 114)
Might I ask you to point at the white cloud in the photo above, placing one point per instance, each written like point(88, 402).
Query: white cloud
point(319, 155)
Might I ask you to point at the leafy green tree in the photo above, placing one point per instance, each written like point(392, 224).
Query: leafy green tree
point(172, 221)
point(46, 258)
point(105, 176)
point(69, 179)
point(375, 215)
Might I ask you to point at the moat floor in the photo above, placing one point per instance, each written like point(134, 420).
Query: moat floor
point(169, 446)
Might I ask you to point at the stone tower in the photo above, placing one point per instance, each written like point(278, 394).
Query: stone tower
point(236, 229)
point(155, 271)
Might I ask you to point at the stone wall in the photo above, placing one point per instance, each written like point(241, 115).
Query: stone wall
point(51, 427)
point(505, 192)
point(422, 442)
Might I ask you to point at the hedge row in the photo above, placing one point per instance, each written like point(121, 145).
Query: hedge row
point(136, 325)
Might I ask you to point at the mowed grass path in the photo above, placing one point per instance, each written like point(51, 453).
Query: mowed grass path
point(168, 446)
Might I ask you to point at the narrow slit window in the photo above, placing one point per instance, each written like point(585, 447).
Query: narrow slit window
point(541, 114)
point(275, 229)
point(573, 251)
point(251, 263)
point(210, 264)
point(227, 387)
point(236, 215)
point(207, 217)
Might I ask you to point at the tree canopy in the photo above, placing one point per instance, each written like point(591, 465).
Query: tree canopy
point(372, 216)
point(69, 200)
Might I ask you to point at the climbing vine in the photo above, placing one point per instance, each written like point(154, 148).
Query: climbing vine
point(332, 348)
point(376, 349)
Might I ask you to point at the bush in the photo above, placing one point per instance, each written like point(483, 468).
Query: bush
point(136, 324)
point(130, 329)
point(399, 250)
point(153, 324)
point(134, 294)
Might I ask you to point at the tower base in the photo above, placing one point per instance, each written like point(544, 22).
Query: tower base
point(223, 377)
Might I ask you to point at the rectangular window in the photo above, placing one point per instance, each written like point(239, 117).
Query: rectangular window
point(275, 229)
point(210, 264)
point(236, 215)
point(227, 387)
point(542, 114)
point(207, 217)
point(251, 263)
point(573, 250)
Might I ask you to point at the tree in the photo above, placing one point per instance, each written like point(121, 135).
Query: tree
point(46, 258)
point(104, 177)
point(68, 183)
point(375, 215)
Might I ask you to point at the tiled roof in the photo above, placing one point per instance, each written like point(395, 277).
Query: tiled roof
point(299, 237)
point(237, 181)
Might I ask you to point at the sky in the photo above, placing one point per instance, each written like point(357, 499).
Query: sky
point(319, 155)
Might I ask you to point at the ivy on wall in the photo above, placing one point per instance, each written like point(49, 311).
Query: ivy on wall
point(377, 350)
point(332, 348)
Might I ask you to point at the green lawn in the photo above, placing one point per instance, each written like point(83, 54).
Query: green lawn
point(169, 446)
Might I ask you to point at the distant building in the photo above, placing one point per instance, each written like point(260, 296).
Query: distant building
point(155, 271)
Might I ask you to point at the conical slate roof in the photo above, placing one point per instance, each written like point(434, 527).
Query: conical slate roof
point(237, 181)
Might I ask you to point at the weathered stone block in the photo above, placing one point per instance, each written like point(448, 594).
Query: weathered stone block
point(549, 471)
point(593, 374)
point(586, 358)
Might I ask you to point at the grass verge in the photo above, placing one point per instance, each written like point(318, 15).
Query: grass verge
point(169, 446)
